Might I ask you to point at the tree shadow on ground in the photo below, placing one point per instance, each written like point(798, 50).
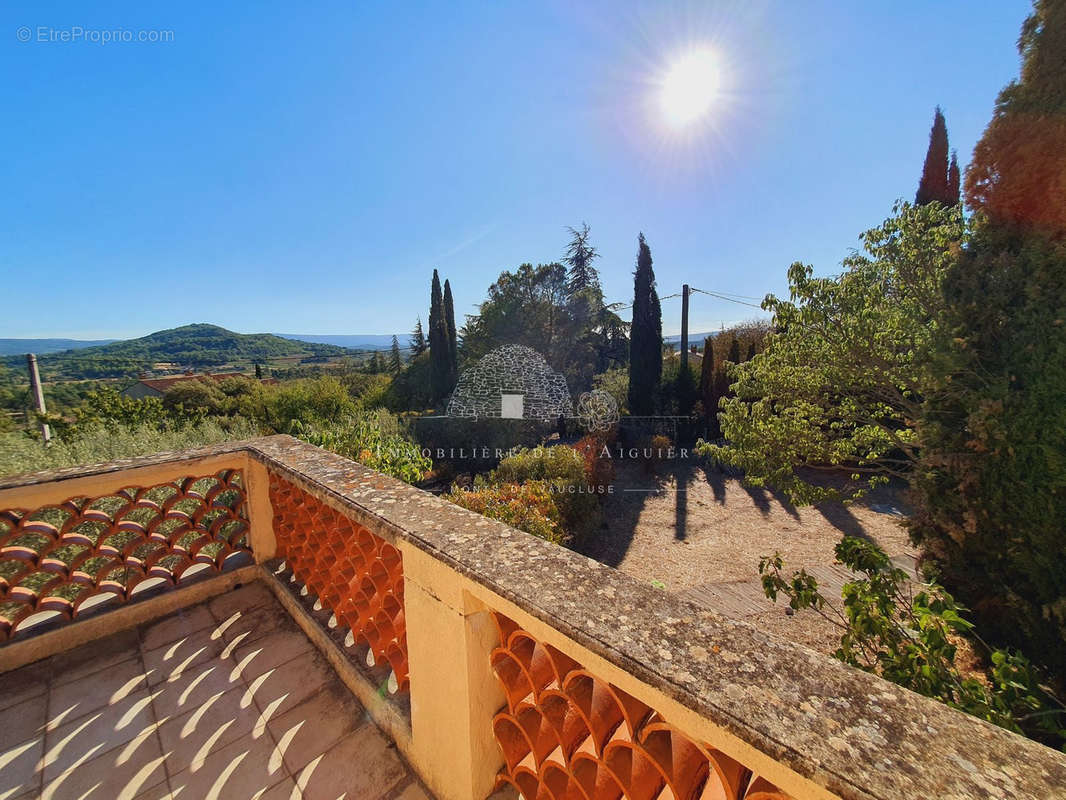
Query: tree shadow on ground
point(715, 478)
point(632, 486)
point(761, 497)
point(683, 476)
point(841, 517)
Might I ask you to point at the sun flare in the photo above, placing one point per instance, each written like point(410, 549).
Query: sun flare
point(690, 87)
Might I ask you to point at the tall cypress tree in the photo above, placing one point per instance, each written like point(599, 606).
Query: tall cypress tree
point(933, 186)
point(395, 359)
point(418, 340)
point(453, 338)
point(954, 180)
point(646, 337)
point(734, 350)
point(990, 483)
point(708, 389)
point(439, 347)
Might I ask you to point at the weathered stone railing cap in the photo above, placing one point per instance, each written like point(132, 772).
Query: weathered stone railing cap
point(853, 733)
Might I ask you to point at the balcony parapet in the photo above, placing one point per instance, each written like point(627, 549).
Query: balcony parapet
point(530, 665)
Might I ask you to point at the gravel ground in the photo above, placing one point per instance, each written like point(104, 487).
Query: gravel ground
point(715, 530)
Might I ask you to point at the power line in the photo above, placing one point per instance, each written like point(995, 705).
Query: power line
point(728, 296)
point(724, 297)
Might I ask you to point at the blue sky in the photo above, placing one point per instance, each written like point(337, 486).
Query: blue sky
point(303, 167)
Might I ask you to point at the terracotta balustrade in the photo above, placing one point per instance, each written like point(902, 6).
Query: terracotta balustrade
point(493, 659)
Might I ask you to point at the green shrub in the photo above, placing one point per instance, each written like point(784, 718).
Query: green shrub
point(563, 470)
point(911, 638)
point(541, 463)
point(310, 401)
point(615, 382)
point(375, 439)
point(530, 507)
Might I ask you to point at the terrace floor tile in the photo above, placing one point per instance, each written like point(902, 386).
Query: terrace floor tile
point(188, 708)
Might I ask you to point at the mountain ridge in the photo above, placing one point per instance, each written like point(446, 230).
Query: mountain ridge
point(194, 346)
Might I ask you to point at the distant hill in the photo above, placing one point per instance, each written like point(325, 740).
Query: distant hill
point(693, 338)
point(11, 347)
point(188, 347)
point(355, 341)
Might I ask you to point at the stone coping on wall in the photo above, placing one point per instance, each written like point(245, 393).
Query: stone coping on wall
point(848, 731)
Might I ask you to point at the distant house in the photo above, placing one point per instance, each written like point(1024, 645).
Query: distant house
point(157, 387)
point(695, 358)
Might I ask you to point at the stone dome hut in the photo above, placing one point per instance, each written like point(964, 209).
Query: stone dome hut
point(511, 382)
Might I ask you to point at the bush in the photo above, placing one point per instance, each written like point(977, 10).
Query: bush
point(911, 638)
point(615, 382)
point(530, 507)
point(375, 439)
point(599, 469)
point(311, 401)
point(541, 463)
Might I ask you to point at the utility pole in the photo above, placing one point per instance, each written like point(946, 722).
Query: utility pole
point(38, 394)
point(684, 326)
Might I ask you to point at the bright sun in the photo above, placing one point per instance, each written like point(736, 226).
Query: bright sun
point(690, 87)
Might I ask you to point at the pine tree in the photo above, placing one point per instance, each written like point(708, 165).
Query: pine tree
point(933, 186)
point(954, 194)
point(453, 337)
point(646, 337)
point(439, 347)
point(418, 340)
point(395, 359)
point(708, 389)
point(581, 276)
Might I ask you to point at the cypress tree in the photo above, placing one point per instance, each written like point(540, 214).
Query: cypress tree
point(933, 186)
point(734, 350)
point(1018, 169)
point(418, 340)
point(453, 339)
point(954, 180)
point(258, 372)
point(990, 483)
point(439, 348)
point(646, 337)
point(395, 359)
point(751, 351)
point(708, 389)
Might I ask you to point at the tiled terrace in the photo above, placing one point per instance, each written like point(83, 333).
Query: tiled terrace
point(226, 699)
point(487, 658)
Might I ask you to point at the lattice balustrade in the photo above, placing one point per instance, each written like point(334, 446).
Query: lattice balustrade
point(59, 562)
point(569, 735)
point(356, 575)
